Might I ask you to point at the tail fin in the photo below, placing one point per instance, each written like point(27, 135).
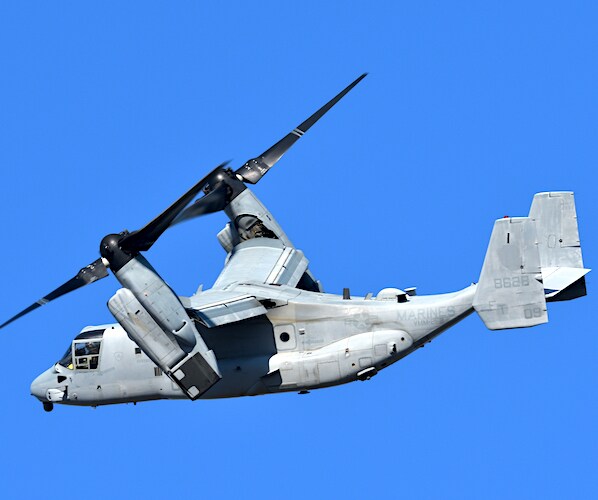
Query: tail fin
point(531, 260)
point(563, 273)
point(509, 294)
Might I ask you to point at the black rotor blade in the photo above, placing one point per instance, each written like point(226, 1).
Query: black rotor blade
point(93, 272)
point(214, 201)
point(144, 238)
point(256, 168)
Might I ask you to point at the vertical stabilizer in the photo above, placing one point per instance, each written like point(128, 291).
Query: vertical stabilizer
point(559, 245)
point(509, 294)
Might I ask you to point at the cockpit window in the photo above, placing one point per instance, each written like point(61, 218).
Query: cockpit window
point(67, 359)
point(87, 354)
point(86, 351)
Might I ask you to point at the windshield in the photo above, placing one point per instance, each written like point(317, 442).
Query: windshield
point(67, 359)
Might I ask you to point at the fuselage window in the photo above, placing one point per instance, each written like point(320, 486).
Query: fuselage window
point(87, 355)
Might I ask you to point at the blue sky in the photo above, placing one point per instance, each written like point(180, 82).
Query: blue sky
point(108, 112)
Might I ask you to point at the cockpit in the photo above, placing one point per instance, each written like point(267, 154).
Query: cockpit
point(84, 351)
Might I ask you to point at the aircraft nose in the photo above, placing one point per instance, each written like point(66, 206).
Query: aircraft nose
point(40, 386)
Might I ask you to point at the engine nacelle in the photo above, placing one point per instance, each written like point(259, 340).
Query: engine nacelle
point(158, 299)
point(195, 372)
point(154, 318)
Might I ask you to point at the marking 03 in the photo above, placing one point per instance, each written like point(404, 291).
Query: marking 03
point(513, 282)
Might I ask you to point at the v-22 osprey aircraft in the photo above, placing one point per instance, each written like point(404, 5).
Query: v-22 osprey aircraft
point(267, 326)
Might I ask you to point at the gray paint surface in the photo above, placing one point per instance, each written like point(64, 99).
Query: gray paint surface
point(267, 335)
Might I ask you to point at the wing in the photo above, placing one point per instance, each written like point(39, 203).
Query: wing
point(262, 261)
point(220, 307)
point(259, 251)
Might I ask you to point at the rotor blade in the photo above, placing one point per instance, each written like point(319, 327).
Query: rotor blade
point(93, 272)
point(256, 168)
point(144, 238)
point(214, 201)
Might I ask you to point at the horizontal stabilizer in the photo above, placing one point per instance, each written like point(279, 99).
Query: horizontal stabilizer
point(564, 283)
point(509, 294)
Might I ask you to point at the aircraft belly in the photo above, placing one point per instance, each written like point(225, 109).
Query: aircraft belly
point(98, 389)
point(239, 375)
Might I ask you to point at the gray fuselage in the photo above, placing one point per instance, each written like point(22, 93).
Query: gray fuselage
point(313, 340)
